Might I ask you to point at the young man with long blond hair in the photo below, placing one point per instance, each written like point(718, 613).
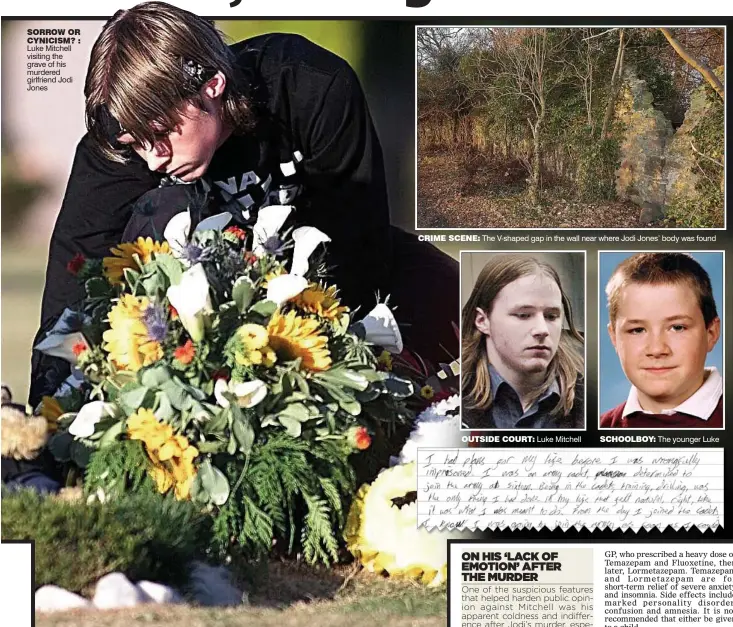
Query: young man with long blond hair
point(175, 115)
point(520, 368)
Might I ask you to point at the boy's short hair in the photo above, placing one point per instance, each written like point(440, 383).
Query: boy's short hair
point(146, 64)
point(662, 269)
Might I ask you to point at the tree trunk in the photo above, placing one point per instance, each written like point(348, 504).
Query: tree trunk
point(536, 178)
point(701, 67)
point(615, 82)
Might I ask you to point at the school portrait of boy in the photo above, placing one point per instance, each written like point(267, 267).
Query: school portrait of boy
point(660, 336)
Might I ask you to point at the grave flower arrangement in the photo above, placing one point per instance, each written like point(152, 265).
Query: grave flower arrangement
point(219, 365)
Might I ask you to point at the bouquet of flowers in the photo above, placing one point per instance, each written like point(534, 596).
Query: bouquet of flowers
point(219, 366)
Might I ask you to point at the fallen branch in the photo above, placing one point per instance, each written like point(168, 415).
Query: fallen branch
point(704, 156)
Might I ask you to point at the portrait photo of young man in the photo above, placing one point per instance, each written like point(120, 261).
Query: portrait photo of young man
point(661, 350)
point(522, 359)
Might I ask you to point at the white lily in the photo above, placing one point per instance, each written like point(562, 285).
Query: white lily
point(248, 393)
point(178, 229)
point(88, 417)
point(62, 345)
point(191, 300)
point(284, 287)
point(270, 220)
point(381, 329)
point(307, 239)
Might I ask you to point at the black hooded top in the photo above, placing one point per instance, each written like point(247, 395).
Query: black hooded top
point(314, 140)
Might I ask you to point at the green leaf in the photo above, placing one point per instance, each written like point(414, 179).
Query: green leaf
point(153, 284)
point(243, 291)
point(244, 434)
point(296, 411)
point(110, 435)
point(171, 267)
point(214, 482)
point(264, 307)
point(198, 493)
point(97, 287)
point(60, 446)
point(165, 410)
point(133, 396)
point(155, 376)
point(80, 453)
point(399, 388)
point(369, 394)
point(351, 406)
point(131, 276)
point(292, 426)
point(344, 377)
point(210, 446)
point(177, 396)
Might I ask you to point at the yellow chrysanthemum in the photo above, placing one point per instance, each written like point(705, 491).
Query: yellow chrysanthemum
point(127, 340)
point(256, 351)
point(51, 411)
point(427, 392)
point(253, 336)
point(172, 455)
point(322, 302)
point(143, 425)
point(383, 534)
point(144, 248)
point(294, 337)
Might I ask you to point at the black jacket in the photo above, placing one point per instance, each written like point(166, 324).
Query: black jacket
point(308, 102)
point(575, 419)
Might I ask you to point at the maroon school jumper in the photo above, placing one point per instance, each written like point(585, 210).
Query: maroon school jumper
point(640, 420)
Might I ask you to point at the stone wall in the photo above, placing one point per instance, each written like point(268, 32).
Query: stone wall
point(681, 174)
point(640, 177)
point(657, 164)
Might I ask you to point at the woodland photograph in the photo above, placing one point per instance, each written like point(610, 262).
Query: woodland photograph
point(536, 127)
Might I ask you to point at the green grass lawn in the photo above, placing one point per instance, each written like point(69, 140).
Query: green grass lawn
point(22, 286)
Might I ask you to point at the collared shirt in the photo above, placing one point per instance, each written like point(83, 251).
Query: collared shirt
point(506, 408)
point(701, 404)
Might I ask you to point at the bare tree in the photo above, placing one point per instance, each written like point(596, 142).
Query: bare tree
point(582, 68)
point(695, 62)
point(526, 65)
point(616, 80)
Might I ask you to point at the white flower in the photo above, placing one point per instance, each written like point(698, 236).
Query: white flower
point(270, 220)
point(178, 229)
point(434, 428)
point(62, 345)
point(284, 287)
point(191, 300)
point(381, 329)
point(176, 232)
point(307, 239)
point(88, 417)
point(248, 393)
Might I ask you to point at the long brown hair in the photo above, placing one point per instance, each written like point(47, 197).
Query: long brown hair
point(566, 365)
point(147, 63)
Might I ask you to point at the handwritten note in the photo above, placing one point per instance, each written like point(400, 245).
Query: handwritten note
point(592, 488)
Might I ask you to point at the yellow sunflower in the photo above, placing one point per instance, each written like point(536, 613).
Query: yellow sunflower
point(321, 301)
point(127, 340)
point(172, 455)
point(51, 411)
point(123, 257)
point(294, 337)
